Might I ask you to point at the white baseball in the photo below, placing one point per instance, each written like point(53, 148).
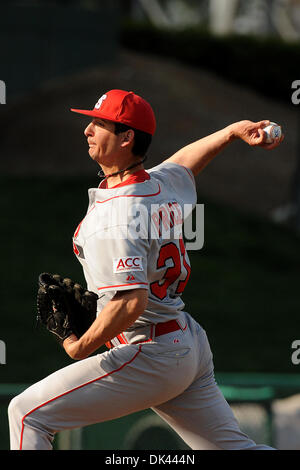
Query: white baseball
point(272, 131)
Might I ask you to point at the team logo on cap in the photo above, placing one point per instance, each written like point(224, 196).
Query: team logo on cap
point(100, 101)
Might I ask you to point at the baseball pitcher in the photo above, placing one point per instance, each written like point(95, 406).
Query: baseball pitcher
point(133, 256)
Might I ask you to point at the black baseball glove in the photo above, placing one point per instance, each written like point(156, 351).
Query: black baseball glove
point(64, 307)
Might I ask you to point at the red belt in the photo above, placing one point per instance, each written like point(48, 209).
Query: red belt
point(168, 327)
point(160, 329)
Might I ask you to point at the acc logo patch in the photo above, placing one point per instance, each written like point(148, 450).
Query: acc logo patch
point(129, 263)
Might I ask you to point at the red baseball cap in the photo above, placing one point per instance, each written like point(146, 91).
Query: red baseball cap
point(125, 107)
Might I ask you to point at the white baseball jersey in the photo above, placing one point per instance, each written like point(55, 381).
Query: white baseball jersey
point(131, 237)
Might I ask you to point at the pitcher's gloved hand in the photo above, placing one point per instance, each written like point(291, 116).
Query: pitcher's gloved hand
point(64, 306)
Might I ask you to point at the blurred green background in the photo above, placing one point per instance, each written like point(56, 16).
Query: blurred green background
point(200, 72)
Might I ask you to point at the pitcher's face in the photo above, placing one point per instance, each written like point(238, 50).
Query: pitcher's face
point(103, 143)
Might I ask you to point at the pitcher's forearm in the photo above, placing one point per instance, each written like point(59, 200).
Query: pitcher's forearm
point(198, 154)
point(119, 313)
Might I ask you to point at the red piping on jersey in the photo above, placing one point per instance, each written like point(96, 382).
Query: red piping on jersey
point(122, 285)
point(131, 195)
point(183, 328)
point(77, 230)
point(188, 173)
point(139, 176)
point(74, 389)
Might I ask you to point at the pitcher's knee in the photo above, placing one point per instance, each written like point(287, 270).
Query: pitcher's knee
point(16, 408)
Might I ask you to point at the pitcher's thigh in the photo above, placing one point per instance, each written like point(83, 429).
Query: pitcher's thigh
point(204, 419)
point(86, 392)
point(100, 388)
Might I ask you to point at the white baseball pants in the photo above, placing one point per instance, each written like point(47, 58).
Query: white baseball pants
point(173, 375)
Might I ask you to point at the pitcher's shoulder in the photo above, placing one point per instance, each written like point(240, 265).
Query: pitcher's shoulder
point(171, 170)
